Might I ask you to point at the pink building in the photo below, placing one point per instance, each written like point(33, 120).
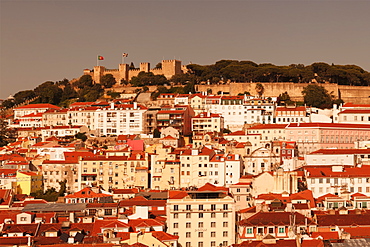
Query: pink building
point(313, 136)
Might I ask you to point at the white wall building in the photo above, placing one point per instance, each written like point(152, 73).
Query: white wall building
point(120, 119)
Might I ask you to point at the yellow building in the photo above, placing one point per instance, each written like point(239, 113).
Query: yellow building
point(28, 182)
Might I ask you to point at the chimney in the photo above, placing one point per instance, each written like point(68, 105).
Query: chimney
point(72, 217)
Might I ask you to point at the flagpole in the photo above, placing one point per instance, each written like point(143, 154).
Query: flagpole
point(97, 60)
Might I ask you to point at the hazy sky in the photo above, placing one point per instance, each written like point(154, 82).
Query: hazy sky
point(52, 40)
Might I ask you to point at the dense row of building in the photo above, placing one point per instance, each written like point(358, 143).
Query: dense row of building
point(191, 170)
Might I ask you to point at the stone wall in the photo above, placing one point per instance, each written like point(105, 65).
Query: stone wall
point(169, 69)
point(347, 93)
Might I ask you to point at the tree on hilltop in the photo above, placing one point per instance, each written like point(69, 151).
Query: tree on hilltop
point(107, 80)
point(317, 96)
point(48, 92)
point(84, 81)
point(148, 78)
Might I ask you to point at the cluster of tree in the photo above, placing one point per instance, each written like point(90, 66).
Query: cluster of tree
point(51, 195)
point(314, 95)
point(62, 92)
point(246, 71)
point(188, 88)
point(317, 96)
point(6, 135)
point(148, 78)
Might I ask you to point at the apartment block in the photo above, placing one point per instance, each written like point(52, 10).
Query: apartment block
point(203, 217)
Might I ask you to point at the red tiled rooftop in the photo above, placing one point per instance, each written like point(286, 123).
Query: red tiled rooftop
point(342, 151)
point(268, 126)
point(329, 125)
point(317, 171)
point(40, 106)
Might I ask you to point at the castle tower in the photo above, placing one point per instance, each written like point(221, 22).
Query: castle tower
point(171, 68)
point(123, 72)
point(98, 73)
point(145, 67)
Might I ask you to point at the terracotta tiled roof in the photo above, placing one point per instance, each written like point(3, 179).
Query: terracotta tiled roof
point(355, 111)
point(342, 151)
point(163, 236)
point(268, 126)
point(176, 194)
point(329, 125)
point(40, 106)
point(275, 218)
point(139, 223)
point(343, 220)
point(358, 232)
point(141, 201)
point(298, 108)
point(211, 187)
point(324, 172)
point(86, 193)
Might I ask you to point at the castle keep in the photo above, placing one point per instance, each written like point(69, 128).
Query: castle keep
point(169, 69)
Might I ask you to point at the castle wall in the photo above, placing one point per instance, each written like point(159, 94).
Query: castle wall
point(347, 93)
point(169, 69)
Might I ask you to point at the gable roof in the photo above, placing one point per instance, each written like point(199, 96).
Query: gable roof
point(275, 218)
point(40, 106)
point(86, 193)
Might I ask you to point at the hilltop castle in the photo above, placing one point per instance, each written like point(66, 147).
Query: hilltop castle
point(169, 69)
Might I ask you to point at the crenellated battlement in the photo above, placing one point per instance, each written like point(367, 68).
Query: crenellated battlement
point(169, 68)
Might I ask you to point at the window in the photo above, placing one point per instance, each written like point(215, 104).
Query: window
point(188, 207)
point(175, 225)
point(281, 229)
point(225, 206)
point(188, 244)
point(225, 215)
point(175, 215)
point(188, 234)
point(200, 244)
point(213, 234)
point(224, 234)
point(213, 243)
point(213, 224)
point(249, 230)
point(200, 215)
point(213, 207)
point(270, 230)
point(188, 225)
point(200, 207)
point(176, 207)
point(225, 224)
point(200, 234)
point(200, 224)
point(188, 215)
point(108, 212)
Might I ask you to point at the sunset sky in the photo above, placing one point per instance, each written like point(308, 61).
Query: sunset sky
point(52, 40)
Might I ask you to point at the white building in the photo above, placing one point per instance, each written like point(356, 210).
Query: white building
point(207, 122)
point(203, 218)
point(33, 108)
point(338, 180)
point(120, 119)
